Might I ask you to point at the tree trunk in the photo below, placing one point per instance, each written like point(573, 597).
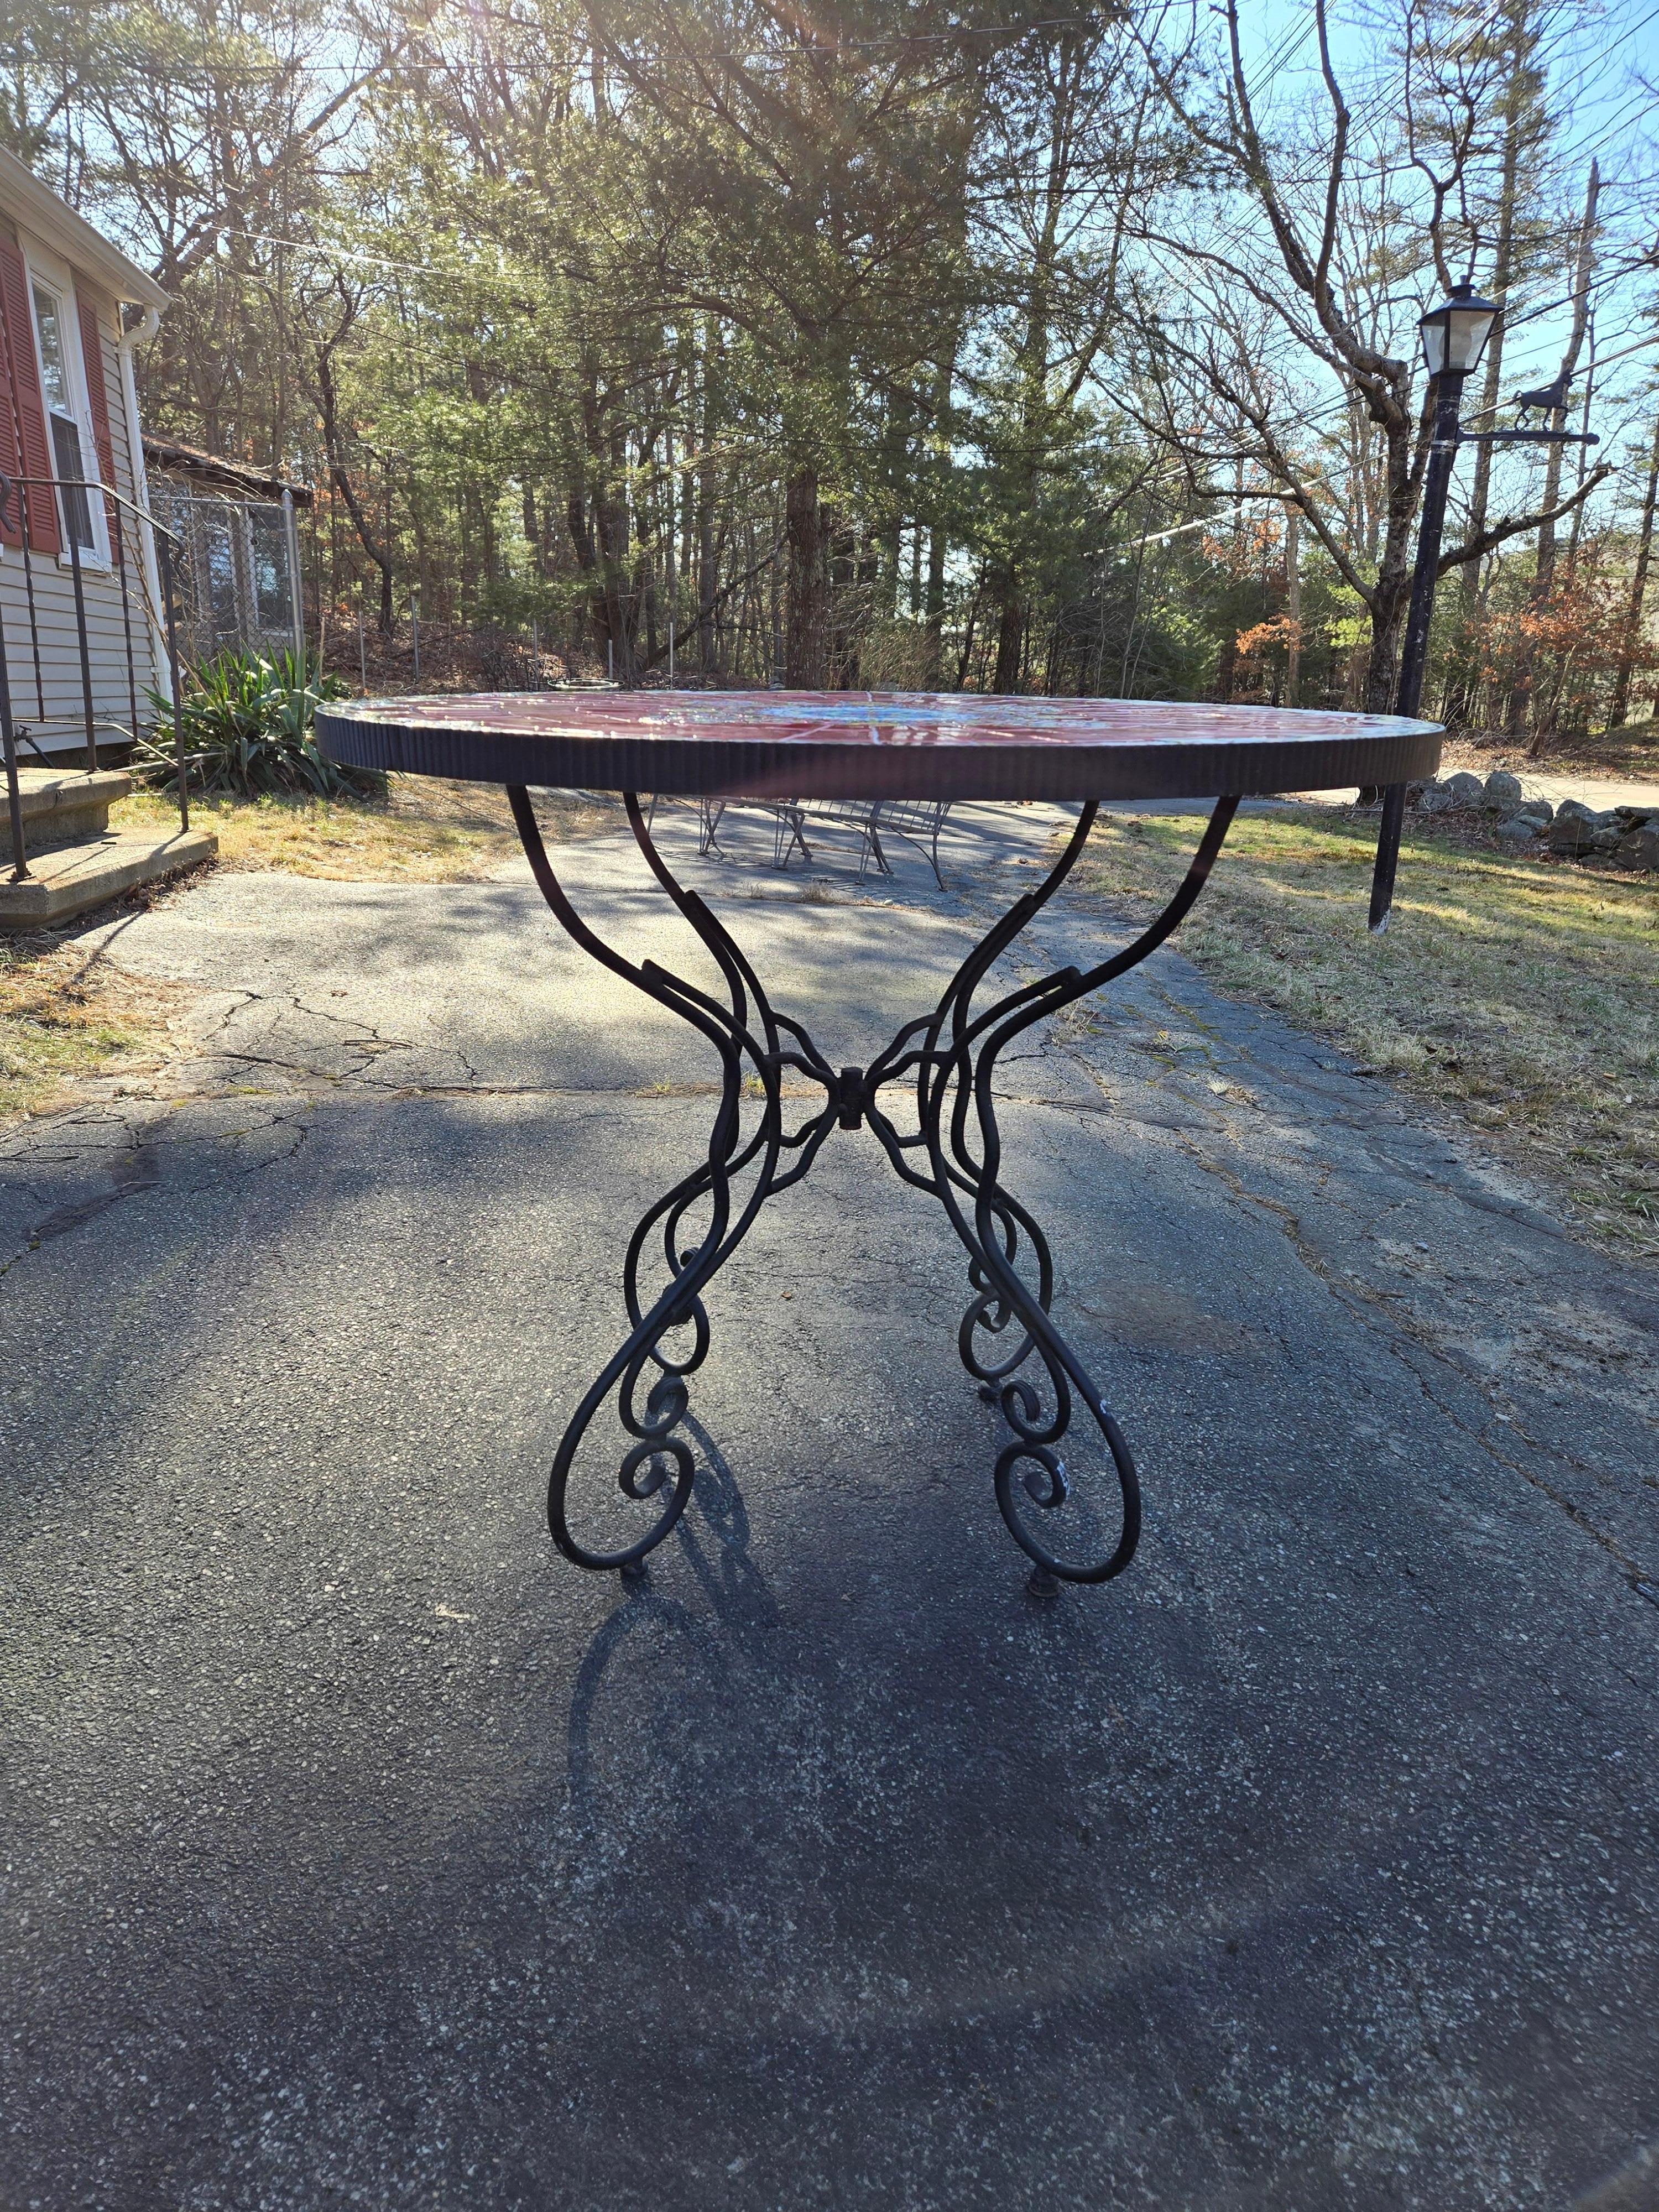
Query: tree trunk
point(1011, 627)
point(581, 540)
point(532, 531)
point(938, 542)
point(806, 616)
point(1543, 581)
point(671, 525)
point(896, 472)
point(1390, 600)
point(708, 579)
point(935, 605)
point(616, 602)
point(328, 409)
point(964, 659)
point(1390, 596)
point(1387, 622)
point(854, 574)
point(1631, 644)
point(708, 563)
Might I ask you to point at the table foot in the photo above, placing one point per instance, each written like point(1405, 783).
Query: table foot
point(1074, 1530)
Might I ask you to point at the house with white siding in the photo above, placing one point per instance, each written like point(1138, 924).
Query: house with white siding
point(69, 415)
point(80, 596)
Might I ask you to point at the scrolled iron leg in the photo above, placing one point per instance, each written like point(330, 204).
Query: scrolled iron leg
point(658, 1465)
point(1030, 1480)
point(650, 1379)
point(955, 1079)
point(651, 1383)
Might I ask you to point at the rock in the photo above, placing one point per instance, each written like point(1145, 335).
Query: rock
point(1539, 811)
point(1519, 829)
point(1640, 849)
point(1576, 830)
point(1466, 791)
point(1436, 799)
point(1502, 792)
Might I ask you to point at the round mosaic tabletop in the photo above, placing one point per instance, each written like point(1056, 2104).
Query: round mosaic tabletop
point(874, 745)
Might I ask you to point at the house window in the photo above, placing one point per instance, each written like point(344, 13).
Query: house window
point(61, 419)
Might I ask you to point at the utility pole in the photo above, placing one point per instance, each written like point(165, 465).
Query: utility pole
point(1631, 643)
point(1519, 112)
point(1293, 600)
point(1544, 571)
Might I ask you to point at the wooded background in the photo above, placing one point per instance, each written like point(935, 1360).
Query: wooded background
point(898, 345)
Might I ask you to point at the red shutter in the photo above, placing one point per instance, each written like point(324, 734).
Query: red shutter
point(92, 359)
point(23, 447)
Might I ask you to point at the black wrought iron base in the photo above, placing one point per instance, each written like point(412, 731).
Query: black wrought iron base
point(955, 1153)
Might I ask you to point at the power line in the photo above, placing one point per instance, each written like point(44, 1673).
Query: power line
point(211, 72)
point(351, 254)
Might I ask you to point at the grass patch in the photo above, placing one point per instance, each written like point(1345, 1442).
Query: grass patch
point(67, 1012)
point(1518, 994)
point(425, 829)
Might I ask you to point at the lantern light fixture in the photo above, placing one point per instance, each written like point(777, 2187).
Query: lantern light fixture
point(1454, 333)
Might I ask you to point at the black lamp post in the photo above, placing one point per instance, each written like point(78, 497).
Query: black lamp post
point(1454, 336)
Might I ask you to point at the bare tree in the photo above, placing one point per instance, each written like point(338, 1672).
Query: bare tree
point(1313, 288)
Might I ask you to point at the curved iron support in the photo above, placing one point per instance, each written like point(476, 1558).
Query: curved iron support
point(658, 1460)
point(1035, 1435)
point(951, 1056)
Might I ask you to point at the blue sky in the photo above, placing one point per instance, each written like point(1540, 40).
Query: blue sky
point(1600, 54)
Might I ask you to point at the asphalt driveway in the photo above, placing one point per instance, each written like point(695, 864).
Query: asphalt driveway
point(359, 1851)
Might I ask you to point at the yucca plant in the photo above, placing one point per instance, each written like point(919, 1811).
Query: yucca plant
point(248, 721)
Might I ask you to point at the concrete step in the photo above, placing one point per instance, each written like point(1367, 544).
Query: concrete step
point(62, 805)
point(68, 879)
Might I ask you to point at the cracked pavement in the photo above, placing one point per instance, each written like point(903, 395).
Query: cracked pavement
point(359, 1851)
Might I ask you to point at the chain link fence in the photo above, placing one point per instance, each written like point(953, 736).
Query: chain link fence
point(236, 572)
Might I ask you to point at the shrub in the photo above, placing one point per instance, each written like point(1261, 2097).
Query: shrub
point(248, 722)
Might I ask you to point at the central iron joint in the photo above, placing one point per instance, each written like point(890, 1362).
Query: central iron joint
point(1077, 1532)
point(851, 1098)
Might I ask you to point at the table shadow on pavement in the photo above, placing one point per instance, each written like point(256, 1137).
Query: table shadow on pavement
point(364, 1851)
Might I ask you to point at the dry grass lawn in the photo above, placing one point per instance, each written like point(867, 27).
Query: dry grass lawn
point(426, 830)
point(1630, 754)
point(1521, 994)
point(67, 1012)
